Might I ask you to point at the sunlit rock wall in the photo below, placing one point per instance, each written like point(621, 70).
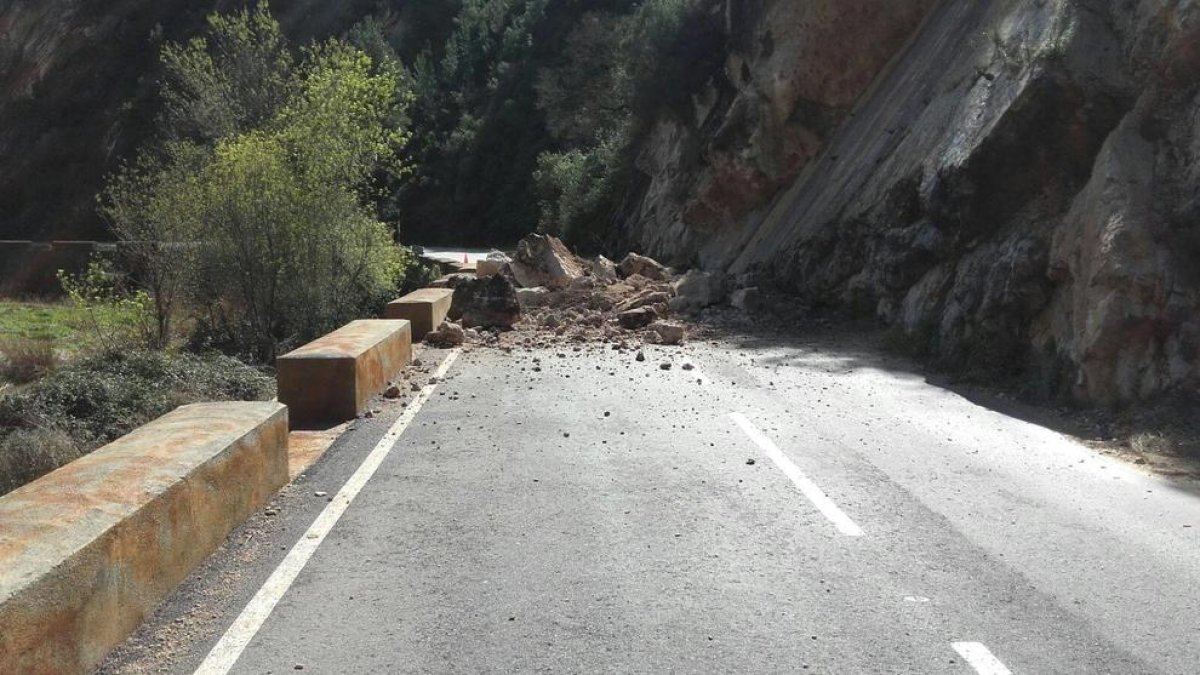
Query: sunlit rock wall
point(1015, 191)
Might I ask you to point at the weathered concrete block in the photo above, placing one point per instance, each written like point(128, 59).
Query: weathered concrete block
point(331, 378)
point(426, 309)
point(88, 551)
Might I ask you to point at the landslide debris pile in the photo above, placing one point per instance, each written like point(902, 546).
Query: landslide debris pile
point(546, 294)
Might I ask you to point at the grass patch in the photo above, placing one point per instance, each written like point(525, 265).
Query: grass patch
point(99, 398)
point(37, 321)
point(36, 336)
point(70, 329)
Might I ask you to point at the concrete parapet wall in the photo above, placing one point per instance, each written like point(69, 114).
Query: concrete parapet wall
point(425, 308)
point(89, 550)
point(331, 378)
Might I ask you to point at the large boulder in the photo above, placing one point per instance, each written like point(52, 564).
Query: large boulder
point(538, 296)
point(643, 299)
point(490, 302)
point(634, 264)
point(543, 260)
point(637, 318)
point(668, 333)
point(697, 290)
point(746, 299)
point(604, 270)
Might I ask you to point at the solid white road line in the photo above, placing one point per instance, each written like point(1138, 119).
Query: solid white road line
point(824, 504)
point(981, 658)
point(234, 641)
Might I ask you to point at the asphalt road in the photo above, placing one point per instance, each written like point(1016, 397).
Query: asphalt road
point(776, 509)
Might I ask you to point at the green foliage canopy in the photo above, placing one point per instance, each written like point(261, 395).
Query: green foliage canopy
point(259, 203)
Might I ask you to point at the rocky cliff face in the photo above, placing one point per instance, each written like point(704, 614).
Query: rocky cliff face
point(1012, 184)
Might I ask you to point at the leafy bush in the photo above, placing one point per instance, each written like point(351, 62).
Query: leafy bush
point(112, 316)
point(27, 454)
point(25, 360)
point(100, 398)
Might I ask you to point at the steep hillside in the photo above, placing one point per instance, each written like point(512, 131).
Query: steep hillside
point(1015, 189)
point(76, 95)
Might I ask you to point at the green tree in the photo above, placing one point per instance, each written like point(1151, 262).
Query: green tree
point(620, 68)
point(269, 214)
point(231, 79)
point(145, 206)
point(477, 130)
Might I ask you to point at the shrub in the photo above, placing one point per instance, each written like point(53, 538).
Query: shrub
point(111, 315)
point(579, 191)
point(27, 454)
point(25, 359)
point(1151, 443)
point(100, 398)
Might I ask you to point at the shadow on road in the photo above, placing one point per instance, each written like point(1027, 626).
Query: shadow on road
point(1162, 436)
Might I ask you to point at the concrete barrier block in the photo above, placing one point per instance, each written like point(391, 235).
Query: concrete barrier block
point(331, 378)
point(426, 309)
point(88, 551)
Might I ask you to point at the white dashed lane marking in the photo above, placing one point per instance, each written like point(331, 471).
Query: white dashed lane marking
point(809, 489)
point(980, 658)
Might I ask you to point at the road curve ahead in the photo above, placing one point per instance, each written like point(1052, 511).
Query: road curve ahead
point(761, 510)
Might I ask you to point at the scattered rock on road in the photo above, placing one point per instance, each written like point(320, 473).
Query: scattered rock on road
point(549, 295)
point(448, 334)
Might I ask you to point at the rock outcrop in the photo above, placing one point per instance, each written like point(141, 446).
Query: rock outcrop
point(1011, 184)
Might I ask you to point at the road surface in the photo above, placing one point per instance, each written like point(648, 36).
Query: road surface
point(774, 509)
point(454, 255)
